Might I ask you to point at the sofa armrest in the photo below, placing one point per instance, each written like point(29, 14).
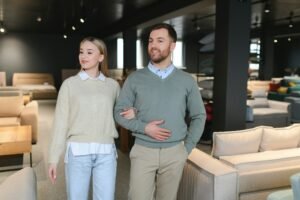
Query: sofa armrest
point(21, 185)
point(29, 116)
point(279, 105)
point(207, 178)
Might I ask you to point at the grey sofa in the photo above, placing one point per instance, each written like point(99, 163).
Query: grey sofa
point(295, 108)
point(269, 113)
point(21, 185)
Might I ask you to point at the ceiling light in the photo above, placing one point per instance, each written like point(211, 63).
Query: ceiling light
point(2, 28)
point(291, 24)
point(267, 7)
point(289, 39)
point(38, 19)
point(73, 28)
point(65, 36)
point(81, 20)
point(275, 40)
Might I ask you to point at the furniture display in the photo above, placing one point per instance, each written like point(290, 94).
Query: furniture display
point(244, 165)
point(268, 112)
point(21, 185)
point(13, 112)
point(15, 140)
point(288, 86)
point(40, 85)
point(206, 87)
point(288, 194)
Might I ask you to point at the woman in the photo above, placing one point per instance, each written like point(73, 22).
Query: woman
point(84, 124)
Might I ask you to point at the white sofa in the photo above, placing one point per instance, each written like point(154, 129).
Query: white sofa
point(243, 165)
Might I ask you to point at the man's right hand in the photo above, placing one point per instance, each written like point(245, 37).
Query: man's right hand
point(153, 130)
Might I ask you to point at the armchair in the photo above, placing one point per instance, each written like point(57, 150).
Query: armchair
point(13, 112)
point(269, 112)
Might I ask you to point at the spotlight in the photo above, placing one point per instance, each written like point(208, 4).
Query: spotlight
point(289, 39)
point(73, 28)
point(65, 36)
point(267, 8)
point(275, 40)
point(291, 24)
point(2, 28)
point(38, 19)
point(81, 20)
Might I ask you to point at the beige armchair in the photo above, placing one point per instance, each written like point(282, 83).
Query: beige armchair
point(13, 112)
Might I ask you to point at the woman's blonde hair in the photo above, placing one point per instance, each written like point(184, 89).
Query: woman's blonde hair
point(103, 66)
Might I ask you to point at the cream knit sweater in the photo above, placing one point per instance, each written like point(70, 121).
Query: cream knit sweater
point(84, 113)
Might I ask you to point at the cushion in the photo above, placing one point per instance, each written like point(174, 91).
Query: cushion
point(282, 90)
point(280, 138)
point(260, 103)
point(10, 121)
point(259, 93)
point(274, 87)
point(236, 142)
point(11, 106)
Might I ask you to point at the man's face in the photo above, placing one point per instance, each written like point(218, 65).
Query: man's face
point(160, 46)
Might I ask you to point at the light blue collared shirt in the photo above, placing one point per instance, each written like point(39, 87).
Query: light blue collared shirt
point(162, 73)
point(80, 148)
point(84, 76)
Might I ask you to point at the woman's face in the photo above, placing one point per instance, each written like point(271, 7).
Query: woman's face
point(89, 56)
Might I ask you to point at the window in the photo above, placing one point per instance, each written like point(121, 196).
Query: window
point(176, 57)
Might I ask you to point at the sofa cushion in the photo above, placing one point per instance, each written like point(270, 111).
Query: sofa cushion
point(236, 142)
point(11, 106)
point(10, 121)
point(256, 170)
point(280, 138)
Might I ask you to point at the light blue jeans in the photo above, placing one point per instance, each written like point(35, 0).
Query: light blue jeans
point(79, 170)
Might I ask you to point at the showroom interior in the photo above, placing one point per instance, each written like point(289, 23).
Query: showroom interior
point(244, 55)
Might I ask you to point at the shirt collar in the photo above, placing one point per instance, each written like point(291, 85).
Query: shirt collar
point(162, 73)
point(84, 76)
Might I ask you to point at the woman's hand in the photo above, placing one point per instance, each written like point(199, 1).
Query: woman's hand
point(129, 113)
point(52, 172)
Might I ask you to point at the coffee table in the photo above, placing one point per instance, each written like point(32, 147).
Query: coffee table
point(15, 140)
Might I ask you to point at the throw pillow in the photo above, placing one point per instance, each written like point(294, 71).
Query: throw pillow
point(280, 138)
point(236, 142)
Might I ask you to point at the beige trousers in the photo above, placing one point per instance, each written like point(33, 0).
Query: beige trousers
point(155, 173)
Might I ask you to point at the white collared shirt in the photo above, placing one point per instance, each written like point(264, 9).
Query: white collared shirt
point(78, 148)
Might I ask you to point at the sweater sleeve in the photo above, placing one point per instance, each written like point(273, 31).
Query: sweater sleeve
point(197, 116)
point(60, 124)
point(125, 100)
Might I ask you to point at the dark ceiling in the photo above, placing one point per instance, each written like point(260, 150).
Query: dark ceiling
point(109, 17)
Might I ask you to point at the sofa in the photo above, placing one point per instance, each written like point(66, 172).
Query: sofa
point(244, 165)
point(268, 112)
point(13, 112)
point(39, 85)
point(21, 185)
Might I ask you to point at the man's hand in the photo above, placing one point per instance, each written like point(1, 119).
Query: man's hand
point(153, 130)
point(52, 173)
point(128, 113)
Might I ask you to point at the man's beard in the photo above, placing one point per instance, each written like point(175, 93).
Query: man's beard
point(157, 59)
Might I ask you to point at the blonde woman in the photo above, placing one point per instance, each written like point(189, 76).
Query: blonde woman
point(85, 126)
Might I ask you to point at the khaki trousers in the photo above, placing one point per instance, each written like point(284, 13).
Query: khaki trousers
point(155, 173)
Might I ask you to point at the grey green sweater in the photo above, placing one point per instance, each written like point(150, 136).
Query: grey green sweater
point(168, 99)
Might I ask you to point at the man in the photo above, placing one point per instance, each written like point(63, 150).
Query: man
point(162, 96)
